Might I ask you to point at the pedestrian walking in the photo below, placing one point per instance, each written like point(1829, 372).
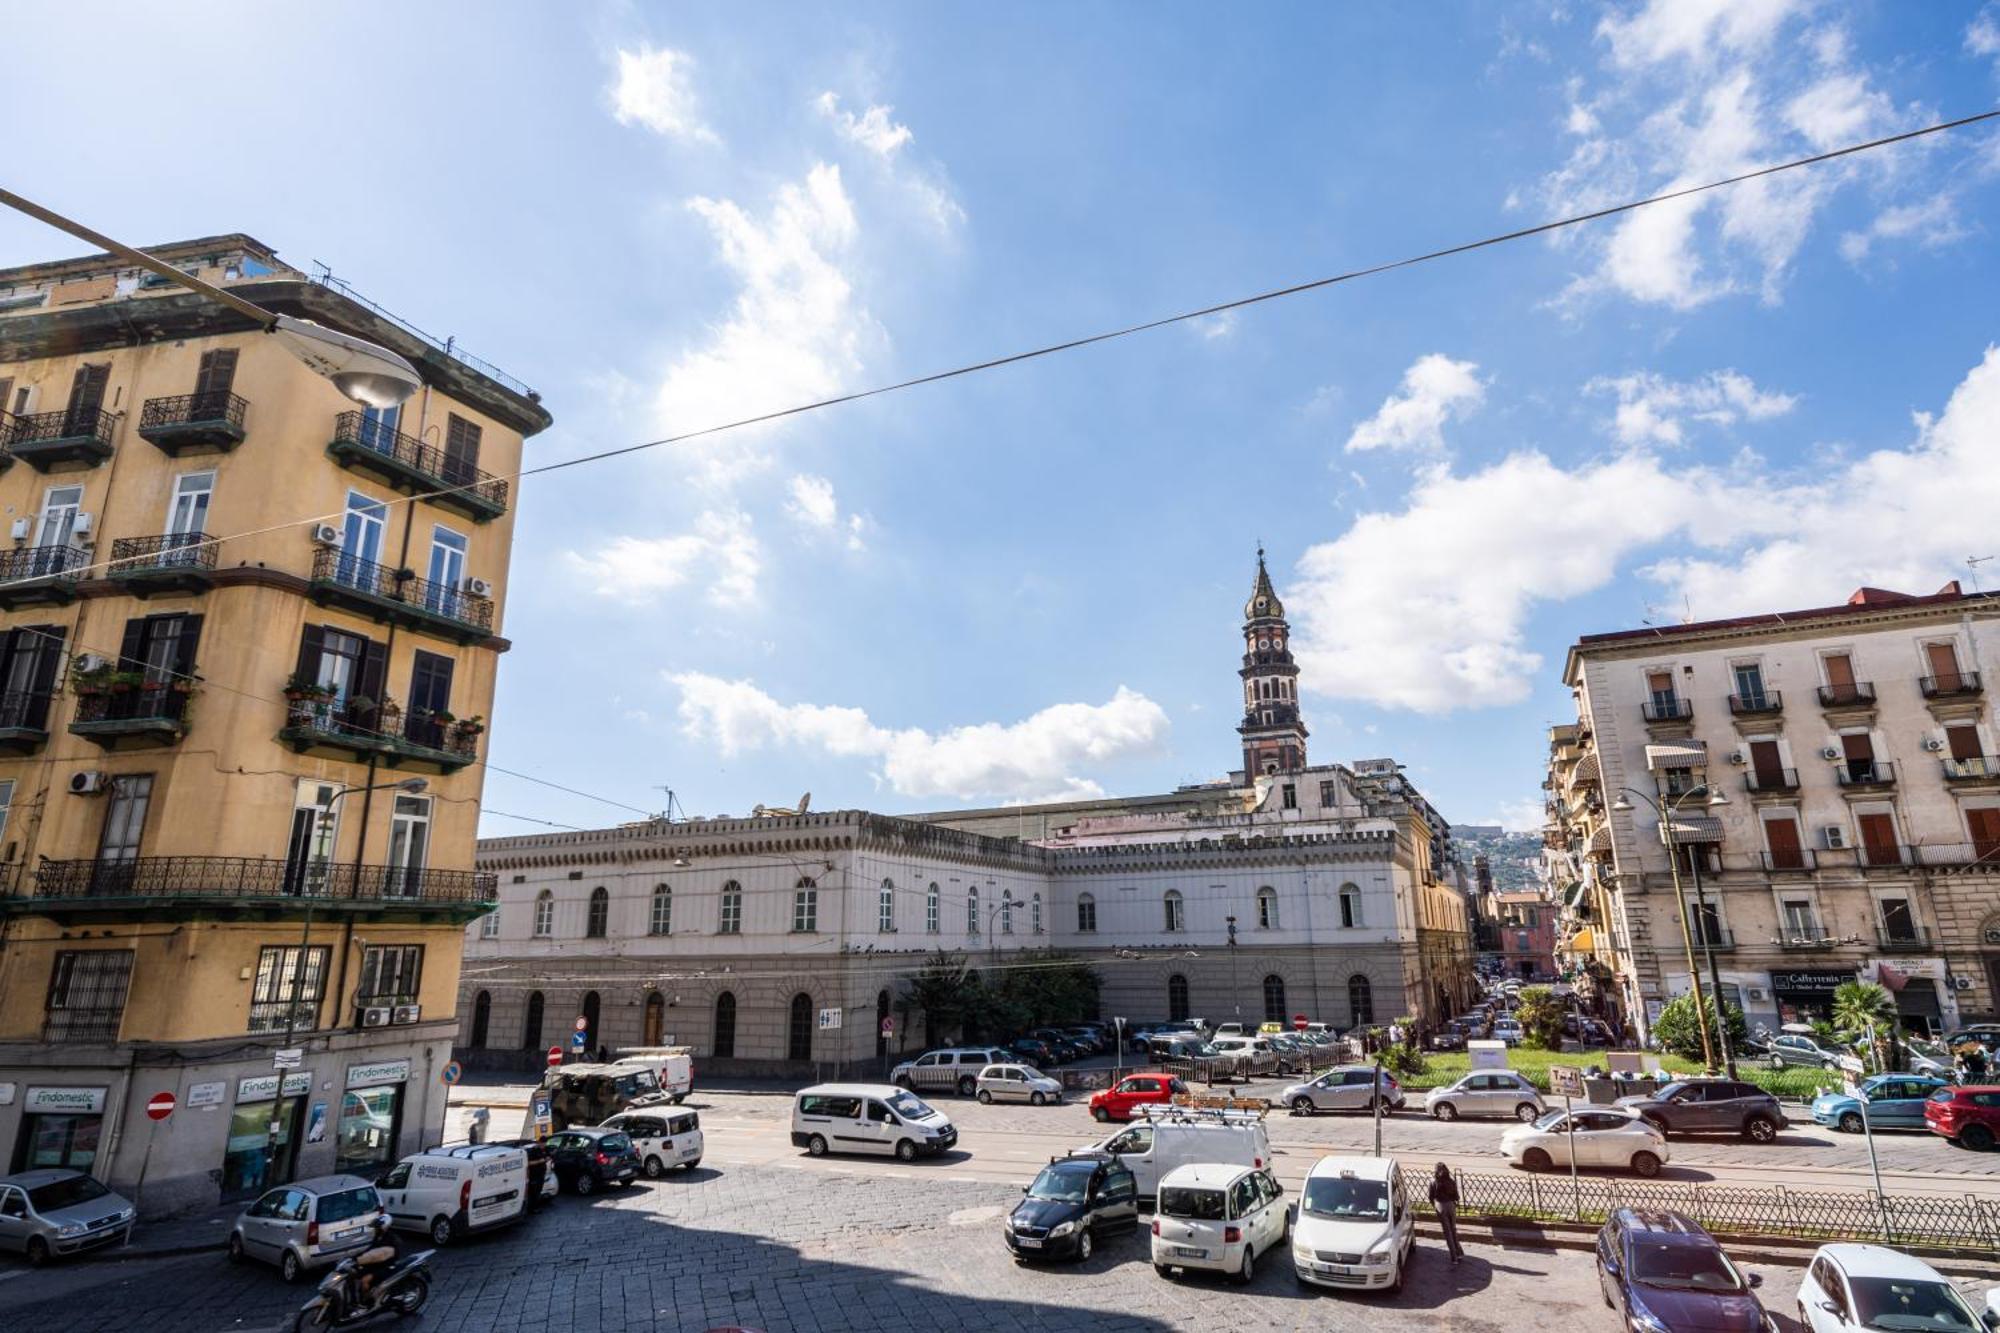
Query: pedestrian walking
point(1444, 1198)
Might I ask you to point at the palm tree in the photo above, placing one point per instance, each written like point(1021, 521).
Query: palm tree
point(1862, 1006)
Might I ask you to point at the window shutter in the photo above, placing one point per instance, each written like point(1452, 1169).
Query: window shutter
point(132, 650)
point(374, 671)
point(310, 641)
point(217, 374)
point(86, 391)
point(184, 662)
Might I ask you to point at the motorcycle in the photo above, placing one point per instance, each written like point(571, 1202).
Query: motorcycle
point(401, 1290)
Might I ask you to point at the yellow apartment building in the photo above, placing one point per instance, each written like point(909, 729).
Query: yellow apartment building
point(248, 636)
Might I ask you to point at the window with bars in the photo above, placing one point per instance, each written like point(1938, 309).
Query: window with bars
point(288, 988)
point(391, 973)
point(87, 995)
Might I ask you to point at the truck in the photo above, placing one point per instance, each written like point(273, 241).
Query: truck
point(672, 1066)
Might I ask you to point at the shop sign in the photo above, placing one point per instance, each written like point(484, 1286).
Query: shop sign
point(64, 1101)
point(384, 1071)
point(1929, 968)
point(264, 1087)
point(206, 1094)
point(1810, 981)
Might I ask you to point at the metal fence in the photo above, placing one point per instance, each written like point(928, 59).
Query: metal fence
point(1819, 1215)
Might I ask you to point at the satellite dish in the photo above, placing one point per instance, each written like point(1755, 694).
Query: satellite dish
point(804, 802)
point(360, 369)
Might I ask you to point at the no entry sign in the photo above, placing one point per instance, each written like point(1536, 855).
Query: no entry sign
point(555, 1055)
point(160, 1105)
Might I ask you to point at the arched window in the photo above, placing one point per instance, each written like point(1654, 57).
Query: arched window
point(655, 1026)
point(1177, 998)
point(885, 908)
point(1035, 914)
point(662, 922)
point(799, 1041)
point(1086, 913)
point(805, 906)
point(931, 910)
point(545, 914)
point(972, 911)
point(482, 1016)
point(1176, 911)
point(724, 1045)
point(1267, 908)
point(1006, 911)
point(1350, 906)
point(1274, 999)
point(1361, 1000)
point(592, 1034)
point(732, 916)
point(531, 1029)
point(599, 920)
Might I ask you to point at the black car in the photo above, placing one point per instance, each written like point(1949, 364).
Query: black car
point(1033, 1051)
point(1073, 1201)
point(1711, 1106)
point(1661, 1271)
point(587, 1157)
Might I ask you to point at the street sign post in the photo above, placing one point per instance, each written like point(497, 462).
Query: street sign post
point(451, 1073)
point(1567, 1080)
point(1299, 1022)
point(160, 1106)
point(582, 1023)
point(289, 1058)
point(555, 1056)
point(888, 1029)
point(576, 1039)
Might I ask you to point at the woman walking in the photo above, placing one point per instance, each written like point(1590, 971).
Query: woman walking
point(1444, 1198)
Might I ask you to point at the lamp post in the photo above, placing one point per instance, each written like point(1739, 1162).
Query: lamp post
point(1235, 999)
point(1668, 814)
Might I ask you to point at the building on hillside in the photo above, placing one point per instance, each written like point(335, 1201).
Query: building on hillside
point(1827, 783)
point(786, 943)
point(237, 798)
point(1524, 929)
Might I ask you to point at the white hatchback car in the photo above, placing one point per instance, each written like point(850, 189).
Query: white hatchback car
point(1868, 1286)
point(1218, 1217)
point(1017, 1083)
point(1602, 1137)
point(1487, 1092)
point(1354, 1228)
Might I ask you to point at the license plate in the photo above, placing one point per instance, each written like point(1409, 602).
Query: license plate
point(1027, 1242)
point(1189, 1252)
point(1329, 1268)
point(688, 1152)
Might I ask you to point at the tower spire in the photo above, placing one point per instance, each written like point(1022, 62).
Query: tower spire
point(1274, 736)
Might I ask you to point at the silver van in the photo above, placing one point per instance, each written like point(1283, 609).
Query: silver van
point(51, 1212)
point(954, 1069)
point(868, 1118)
point(308, 1224)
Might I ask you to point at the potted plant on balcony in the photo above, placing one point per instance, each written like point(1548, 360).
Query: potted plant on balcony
point(90, 676)
point(301, 688)
point(125, 682)
point(392, 711)
point(469, 727)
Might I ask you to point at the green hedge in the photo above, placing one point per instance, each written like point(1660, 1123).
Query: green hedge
point(1792, 1084)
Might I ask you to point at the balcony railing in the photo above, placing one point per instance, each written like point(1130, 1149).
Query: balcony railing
point(406, 462)
point(1772, 779)
point(88, 1025)
point(398, 596)
point(1795, 861)
point(1958, 855)
point(1667, 710)
point(193, 421)
point(1856, 694)
point(1885, 856)
point(1865, 773)
point(368, 731)
point(1751, 705)
point(1804, 937)
point(41, 575)
point(24, 720)
point(1905, 939)
point(173, 560)
point(156, 712)
point(1718, 941)
point(1957, 684)
point(181, 877)
point(42, 438)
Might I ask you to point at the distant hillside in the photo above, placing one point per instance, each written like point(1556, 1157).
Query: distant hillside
point(1514, 856)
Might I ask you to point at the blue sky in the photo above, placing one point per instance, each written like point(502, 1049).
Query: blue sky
point(1028, 583)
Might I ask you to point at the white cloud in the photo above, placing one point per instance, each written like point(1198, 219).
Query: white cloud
point(1651, 409)
point(721, 552)
point(872, 129)
point(1982, 36)
point(1028, 760)
point(796, 331)
point(652, 90)
point(1697, 30)
point(1525, 815)
point(1212, 327)
point(876, 130)
point(1435, 390)
point(810, 501)
point(1930, 222)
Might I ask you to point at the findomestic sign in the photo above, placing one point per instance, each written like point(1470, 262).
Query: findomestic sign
point(264, 1087)
point(60, 1101)
point(386, 1071)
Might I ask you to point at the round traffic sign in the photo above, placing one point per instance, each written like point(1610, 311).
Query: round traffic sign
point(888, 1028)
point(452, 1073)
point(555, 1055)
point(160, 1106)
point(582, 1023)
point(1299, 1022)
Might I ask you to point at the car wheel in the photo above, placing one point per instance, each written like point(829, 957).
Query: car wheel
point(1850, 1122)
point(906, 1151)
point(1445, 1111)
point(38, 1252)
point(1536, 1160)
point(1100, 1115)
point(1038, 1099)
point(1246, 1272)
point(289, 1267)
point(1757, 1129)
point(1084, 1245)
point(1777, 1061)
point(1302, 1105)
point(691, 1164)
point(442, 1231)
point(1645, 1164)
point(655, 1168)
point(586, 1183)
point(1977, 1137)
point(966, 1085)
point(816, 1146)
point(1527, 1113)
point(235, 1248)
point(985, 1097)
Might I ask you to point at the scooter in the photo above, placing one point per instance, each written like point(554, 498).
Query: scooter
point(402, 1290)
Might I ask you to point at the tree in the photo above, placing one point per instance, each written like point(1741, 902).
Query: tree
point(945, 991)
point(1540, 1014)
point(1861, 1008)
point(1678, 1028)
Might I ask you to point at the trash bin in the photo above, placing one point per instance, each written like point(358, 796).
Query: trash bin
point(1602, 1091)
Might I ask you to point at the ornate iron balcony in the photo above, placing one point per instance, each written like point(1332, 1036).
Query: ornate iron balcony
point(1858, 694)
point(1750, 705)
point(368, 731)
point(1865, 773)
point(41, 575)
point(219, 877)
point(411, 466)
point(1946, 687)
point(42, 438)
point(1775, 779)
point(151, 713)
point(171, 562)
point(193, 421)
point(399, 597)
point(24, 721)
point(1667, 710)
point(1907, 939)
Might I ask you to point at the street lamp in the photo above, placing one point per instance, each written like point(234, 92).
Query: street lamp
point(1669, 814)
point(1235, 997)
point(363, 371)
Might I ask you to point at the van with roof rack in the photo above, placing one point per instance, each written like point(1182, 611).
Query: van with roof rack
point(1165, 1137)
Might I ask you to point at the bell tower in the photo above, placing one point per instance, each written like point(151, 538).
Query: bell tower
point(1274, 739)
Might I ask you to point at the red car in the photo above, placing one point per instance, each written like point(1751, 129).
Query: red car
point(1118, 1103)
point(1969, 1117)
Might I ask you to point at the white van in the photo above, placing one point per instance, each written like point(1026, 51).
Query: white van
point(1166, 1137)
point(664, 1138)
point(868, 1118)
point(452, 1192)
point(672, 1066)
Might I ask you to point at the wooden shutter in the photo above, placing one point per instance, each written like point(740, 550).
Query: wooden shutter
point(1782, 836)
point(184, 656)
point(6, 391)
point(374, 672)
point(1857, 748)
point(1985, 828)
point(1766, 763)
point(132, 648)
point(1660, 682)
point(1964, 741)
point(311, 641)
point(86, 391)
point(1878, 839)
point(1839, 673)
point(1944, 664)
point(214, 380)
point(461, 449)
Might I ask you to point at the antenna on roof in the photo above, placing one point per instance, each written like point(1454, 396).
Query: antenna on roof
point(667, 815)
point(1973, 562)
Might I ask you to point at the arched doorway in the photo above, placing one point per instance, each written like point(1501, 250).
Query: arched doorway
point(531, 1029)
point(590, 1028)
point(1177, 998)
point(655, 1026)
point(1361, 1000)
point(799, 1035)
point(1274, 999)
point(482, 1015)
point(724, 1045)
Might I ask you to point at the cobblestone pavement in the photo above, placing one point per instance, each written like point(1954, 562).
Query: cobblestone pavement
point(787, 1248)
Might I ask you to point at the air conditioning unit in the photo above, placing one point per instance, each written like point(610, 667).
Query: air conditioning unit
point(1933, 744)
point(20, 529)
point(325, 534)
point(406, 1013)
point(375, 1016)
point(1829, 752)
point(92, 661)
point(1961, 983)
point(1757, 994)
point(87, 783)
point(80, 526)
point(1736, 757)
point(479, 587)
point(1832, 837)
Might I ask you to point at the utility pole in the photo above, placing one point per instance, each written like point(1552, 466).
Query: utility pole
point(1234, 998)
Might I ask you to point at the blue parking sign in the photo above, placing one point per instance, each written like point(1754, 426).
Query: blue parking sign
point(576, 1040)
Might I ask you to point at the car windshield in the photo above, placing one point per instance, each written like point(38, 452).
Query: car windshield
point(1335, 1196)
point(910, 1107)
point(615, 1143)
point(638, 1083)
point(346, 1204)
point(65, 1193)
point(1907, 1303)
point(1197, 1205)
point(1552, 1120)
point(1070, 1184)
point(1684, 1267)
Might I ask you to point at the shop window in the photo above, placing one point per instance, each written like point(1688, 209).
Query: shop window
point(370, 1125)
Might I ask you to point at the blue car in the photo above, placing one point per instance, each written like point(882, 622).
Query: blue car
point(1895, 1101)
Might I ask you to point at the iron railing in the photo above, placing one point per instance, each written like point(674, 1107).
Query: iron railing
point(54, 561)
point(323, 276)
point(1667, 710)
point(1954, 855)
point(1775, 779)
point(1959, 682)
point(369, 725)
point(1847, 696)
point(1907, 939)
point(24, 710)
point(1766, 701)
point(333, 565)
point(259, 877)
point(1803, 858)
point(148, 703)
point(94, 1025)
point(372, 434)
point(1971, 768)
point(38, 428)
point(284, 1015)
point(192, 409)
point(170, 550)
point(1865, 773)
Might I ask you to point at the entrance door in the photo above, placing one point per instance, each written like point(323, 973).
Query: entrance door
point(653, 1032)
point(1767, 765)
point(1943, 658)
point(124, 824)
point(309, 852)
point(1782, 836)
point(1878, 840)
point(187, 515)
point(361, 539)
point(55, 532)
point(1985, 828)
